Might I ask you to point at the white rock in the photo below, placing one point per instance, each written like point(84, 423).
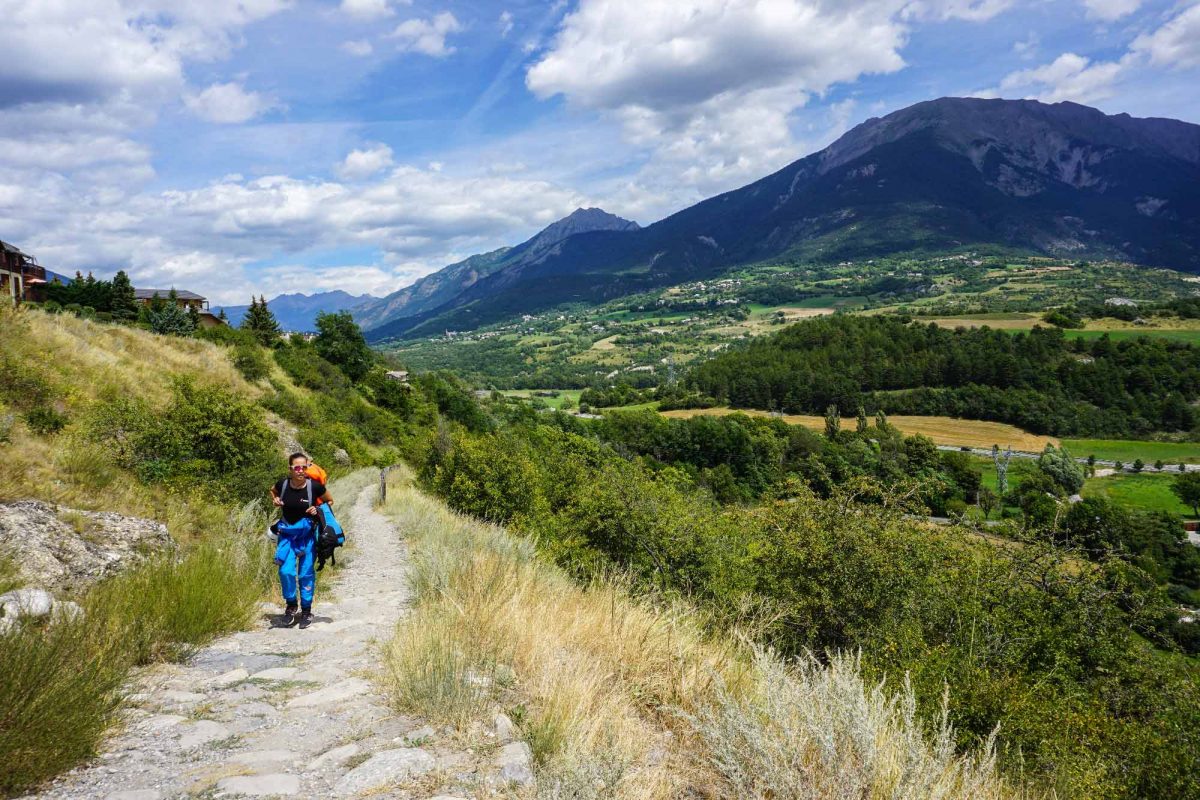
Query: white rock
point(202, 732)
point(336, 693)
point(276, 674)
point(506, 731)
point(335, 756)
point(230, 678)
point(515, 763)
point(134, 794)
point(67, 609)
point(383, 769)
point(27, 603)
point(423, 733)
point(260, 785)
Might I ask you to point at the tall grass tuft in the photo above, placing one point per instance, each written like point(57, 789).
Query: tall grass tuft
point(814, 731)
point(60, 691)
point(622, 699)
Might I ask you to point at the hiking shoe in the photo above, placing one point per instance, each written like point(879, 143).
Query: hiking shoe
point(289, 615)
point(306, 618)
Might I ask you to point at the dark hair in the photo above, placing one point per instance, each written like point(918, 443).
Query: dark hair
point(294, 456)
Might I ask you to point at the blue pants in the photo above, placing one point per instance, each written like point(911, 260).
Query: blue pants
point(297, 553)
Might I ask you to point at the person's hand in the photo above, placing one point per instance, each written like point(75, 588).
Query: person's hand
point(311, 510)
point(277, 501)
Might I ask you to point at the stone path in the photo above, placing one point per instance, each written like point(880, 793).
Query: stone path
point(284, 711)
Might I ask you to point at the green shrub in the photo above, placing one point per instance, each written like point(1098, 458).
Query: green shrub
point(207, 435)
point(104, 316)
point(45, 421)
point(87, 312)
point(72, 308)
point(52, 307)
point(249, 360)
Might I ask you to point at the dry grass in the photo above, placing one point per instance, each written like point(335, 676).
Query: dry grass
point(622, 699)
point(942, 430)
point(83, 363)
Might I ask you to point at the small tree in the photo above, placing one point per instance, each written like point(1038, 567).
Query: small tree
point(170, 320)
point(341, 343)
point(861, 421)
point(193, 316)
point(988, 500)
point(1064, 470)
point(833, 421)
point(1138, 465)
point(1158, 465)
point(1119, 466)
point(124, 302)
point(261, 322)
point(1187, 488)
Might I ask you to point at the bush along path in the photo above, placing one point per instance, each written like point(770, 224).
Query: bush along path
point(284, 711)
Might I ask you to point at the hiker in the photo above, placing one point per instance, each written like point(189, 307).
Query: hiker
point(297, 496)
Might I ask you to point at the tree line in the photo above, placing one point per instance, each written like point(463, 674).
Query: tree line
point(1038, 380)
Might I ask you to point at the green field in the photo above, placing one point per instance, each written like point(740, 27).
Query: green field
point(1145, 492)
point(1128, 450)
point(552, 402)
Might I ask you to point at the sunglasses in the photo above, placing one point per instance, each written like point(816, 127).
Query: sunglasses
point(298, 468)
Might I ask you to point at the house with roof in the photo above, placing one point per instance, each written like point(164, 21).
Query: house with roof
point(184, 299)
point(21, 277)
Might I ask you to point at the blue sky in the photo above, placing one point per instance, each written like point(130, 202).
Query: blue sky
point(266, 146)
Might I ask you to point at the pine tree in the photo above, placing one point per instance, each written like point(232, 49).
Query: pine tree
point(223, 317)
point(261, 322)
point(169, 318)
point(124, 303)
point(861, 422)
point(193, 316)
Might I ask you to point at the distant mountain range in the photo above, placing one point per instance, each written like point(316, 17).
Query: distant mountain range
point(1061, 179)
point(298, 312)
point(441, 287)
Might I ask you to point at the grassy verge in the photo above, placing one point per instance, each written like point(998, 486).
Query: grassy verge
point(1145, 491)
point(1128, 450)
point(620, 698)
point(62, 686)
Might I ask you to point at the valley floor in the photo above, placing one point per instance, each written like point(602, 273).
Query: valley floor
point(283, 711)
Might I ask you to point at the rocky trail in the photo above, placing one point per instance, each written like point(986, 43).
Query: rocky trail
point(287, 711)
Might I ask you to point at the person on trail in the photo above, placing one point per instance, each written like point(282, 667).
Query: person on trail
point(297, 496)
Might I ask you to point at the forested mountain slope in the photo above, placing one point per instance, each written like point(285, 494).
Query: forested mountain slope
point(1057, 179)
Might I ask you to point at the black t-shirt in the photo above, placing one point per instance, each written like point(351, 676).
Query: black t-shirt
point(295, 501)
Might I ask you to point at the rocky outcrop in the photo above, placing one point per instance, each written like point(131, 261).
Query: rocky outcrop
point(61, 549)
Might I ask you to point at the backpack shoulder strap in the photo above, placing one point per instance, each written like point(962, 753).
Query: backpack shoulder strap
point(308, 491)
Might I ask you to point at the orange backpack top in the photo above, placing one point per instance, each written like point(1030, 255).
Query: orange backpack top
point(319, 475)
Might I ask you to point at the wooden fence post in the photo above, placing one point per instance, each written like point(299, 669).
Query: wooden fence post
point(383, 484)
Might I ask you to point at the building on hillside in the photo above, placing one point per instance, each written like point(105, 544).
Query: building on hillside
point(185, 300)
point(398, 375)
point(21, 278)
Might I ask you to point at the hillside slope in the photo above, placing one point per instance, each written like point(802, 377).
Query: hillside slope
point(1061, 179)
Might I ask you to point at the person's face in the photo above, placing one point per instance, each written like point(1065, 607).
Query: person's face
point(298, 467)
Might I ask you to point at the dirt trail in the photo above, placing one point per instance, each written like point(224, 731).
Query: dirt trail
point(284, 711)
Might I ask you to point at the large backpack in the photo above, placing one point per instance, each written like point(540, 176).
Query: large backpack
point(332, 536)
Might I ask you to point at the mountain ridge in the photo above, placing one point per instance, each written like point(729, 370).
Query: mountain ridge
point(438, 288)
point(1060, 179)
point(297, 311)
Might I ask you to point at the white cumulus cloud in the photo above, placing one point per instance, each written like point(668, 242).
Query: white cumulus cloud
point(427, 36)
point(228, 103)
point(1176, 44)
point(361, 164)
point(1069, 77)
